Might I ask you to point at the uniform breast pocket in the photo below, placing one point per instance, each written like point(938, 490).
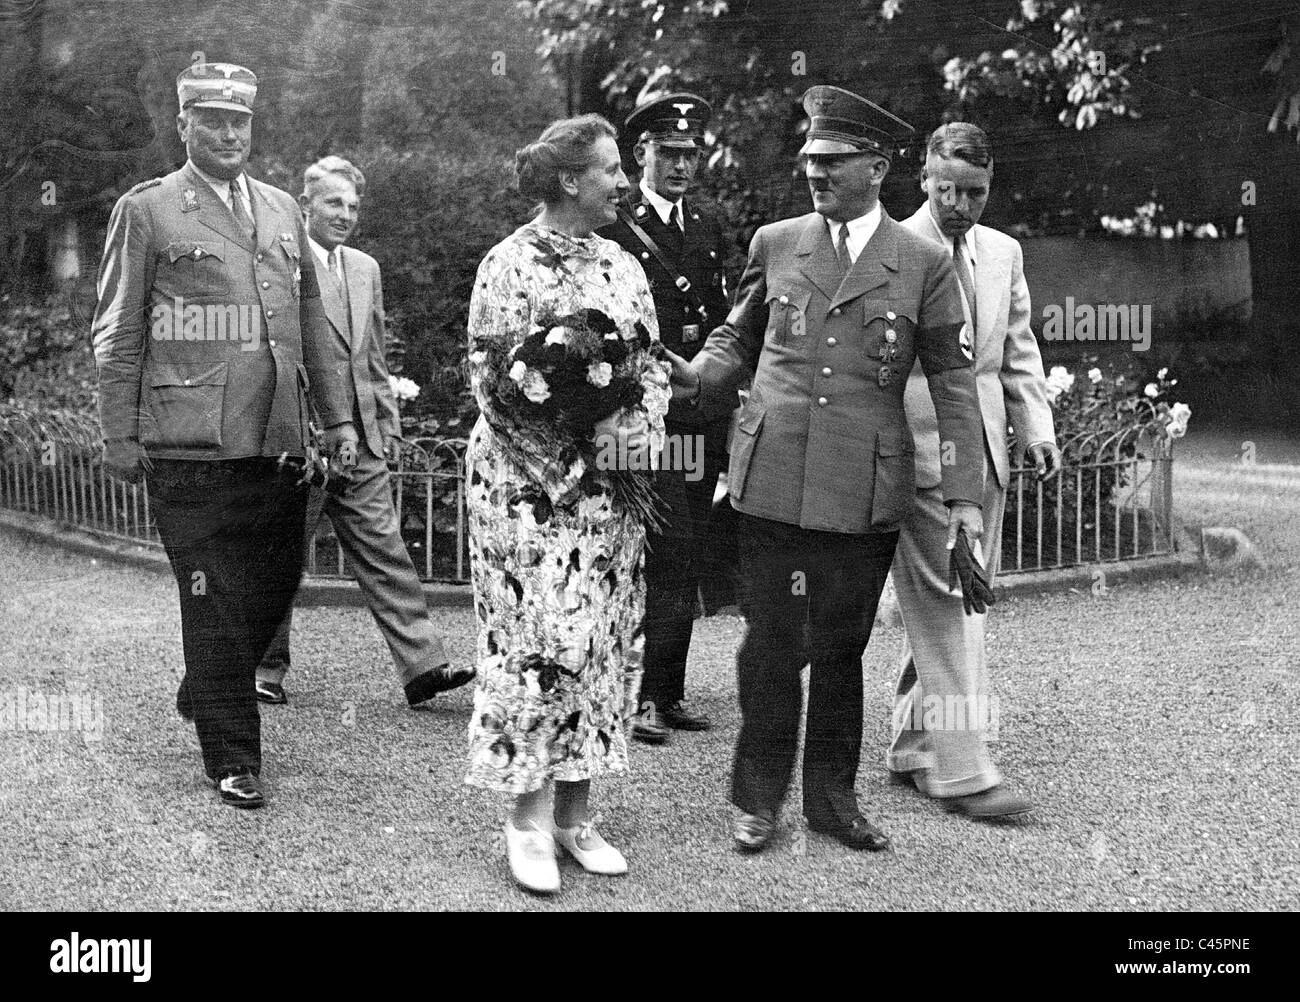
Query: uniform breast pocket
point(184, 406)
point(787, 316)
point(888, 339)
point(294, 257)
point(197, 267)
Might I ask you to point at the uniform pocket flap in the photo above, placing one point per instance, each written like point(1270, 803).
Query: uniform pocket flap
point(786, 297)
point(875, 309)
point(175, 374)
point(750, 422)
point(894, 443)
point(195, 249)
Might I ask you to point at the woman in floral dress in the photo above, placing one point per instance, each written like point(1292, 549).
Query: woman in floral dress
point(555, 552)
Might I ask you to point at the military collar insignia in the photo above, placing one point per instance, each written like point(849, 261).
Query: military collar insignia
point(189, 200)
point(641, 210)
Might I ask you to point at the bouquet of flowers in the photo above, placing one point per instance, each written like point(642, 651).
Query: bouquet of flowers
point(570, 373)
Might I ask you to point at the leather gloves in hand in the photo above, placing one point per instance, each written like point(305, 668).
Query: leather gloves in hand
point(976, 595)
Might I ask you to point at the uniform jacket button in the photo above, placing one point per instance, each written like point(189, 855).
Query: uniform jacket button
point(836, 312)
point(260, 256)
point(822, 401)
point(187, 382)
point(826, 371)
point(832, 342)
point(270, 313)
point(891, 315)
point(271, 342)
point(645, 255)
point(784, 300)
point(266, 285)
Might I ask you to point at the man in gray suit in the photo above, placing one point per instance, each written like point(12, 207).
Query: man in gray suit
point(942, 708)
point(832, 309)
point(363, 516)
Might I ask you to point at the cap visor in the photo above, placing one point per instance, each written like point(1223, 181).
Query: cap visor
point(833, 146)
point(223, 105)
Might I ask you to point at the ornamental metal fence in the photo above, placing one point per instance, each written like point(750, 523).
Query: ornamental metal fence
point(51, 466)
point(1112, 501)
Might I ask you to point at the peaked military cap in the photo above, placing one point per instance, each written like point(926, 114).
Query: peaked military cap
point(673, 120)
point(844, 123)
point(216, 85)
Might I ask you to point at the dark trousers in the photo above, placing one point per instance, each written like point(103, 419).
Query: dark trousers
point(233, 533)
point(676, 559)
point(807, 596)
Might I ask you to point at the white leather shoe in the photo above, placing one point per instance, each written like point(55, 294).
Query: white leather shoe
point(592, 852)
point(532, 859)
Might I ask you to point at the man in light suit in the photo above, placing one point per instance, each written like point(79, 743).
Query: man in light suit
point(941, 706)
point(205, 332)
point(364, 517)
point(831, 311)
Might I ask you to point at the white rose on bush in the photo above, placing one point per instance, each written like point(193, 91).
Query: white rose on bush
point(1059, 381)
point(403, 388)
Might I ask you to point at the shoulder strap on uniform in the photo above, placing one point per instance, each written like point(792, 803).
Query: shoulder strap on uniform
point(681, 281)
point(143, 185)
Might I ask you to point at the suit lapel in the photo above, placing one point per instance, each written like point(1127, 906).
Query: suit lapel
point(932, 232)
point(873, 266)
point(357, 278)
point(329, 296)
point(213, 212)
point(991, 281)
point(817, 253)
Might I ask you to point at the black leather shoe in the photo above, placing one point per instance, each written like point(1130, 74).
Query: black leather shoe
point(857, 834)
point(681, 719)
point(752, 831)
point(271, 692)
point(441, 679)
point(995, 802)
point(240, 789)
point(649, 728)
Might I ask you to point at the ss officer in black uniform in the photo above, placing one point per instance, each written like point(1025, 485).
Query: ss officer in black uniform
point(680, 243)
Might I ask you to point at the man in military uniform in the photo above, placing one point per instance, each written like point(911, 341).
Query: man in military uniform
point(208, 327)
point(680, 243)
point(831, 311)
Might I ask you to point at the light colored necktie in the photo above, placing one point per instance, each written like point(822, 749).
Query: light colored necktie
point(332, 261)
point(240, 213)
point(842, 248)
point(964, 275)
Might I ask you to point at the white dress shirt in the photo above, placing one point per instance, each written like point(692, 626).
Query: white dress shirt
point(222, 188)
point(968, 244)
point(861, 230)
point(323, 256)
point(663, 207)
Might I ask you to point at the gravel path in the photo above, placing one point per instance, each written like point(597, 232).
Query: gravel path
point(1155, 725)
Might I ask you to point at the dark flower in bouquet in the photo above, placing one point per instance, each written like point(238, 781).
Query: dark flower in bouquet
point(569, 374)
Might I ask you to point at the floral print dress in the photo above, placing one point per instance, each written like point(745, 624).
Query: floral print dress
point(555, 562)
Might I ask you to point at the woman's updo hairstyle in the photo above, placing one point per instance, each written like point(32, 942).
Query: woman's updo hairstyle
point(566, 145)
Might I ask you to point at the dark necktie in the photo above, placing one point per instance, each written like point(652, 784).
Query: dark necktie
point(842, 248)
point(240, 213)
point(674, 236)
point(964, 276)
